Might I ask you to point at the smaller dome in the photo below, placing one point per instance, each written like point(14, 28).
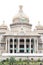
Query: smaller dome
point(3, 26)
point(39, 26)
point(21, 15)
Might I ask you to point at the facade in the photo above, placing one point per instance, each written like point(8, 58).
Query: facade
point(20, 40)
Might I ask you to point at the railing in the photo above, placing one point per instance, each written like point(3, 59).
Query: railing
point(27, 48)
point(15, 48)
point(21, 48)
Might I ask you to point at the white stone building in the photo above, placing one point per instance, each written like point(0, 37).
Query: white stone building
point(20, 41)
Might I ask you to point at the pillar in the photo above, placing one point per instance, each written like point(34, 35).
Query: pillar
point(25, 45)
point(8, 45)
point(30, 45)
point(18, 45)
point(34, 45)
point(13, 45)
point(37, 45)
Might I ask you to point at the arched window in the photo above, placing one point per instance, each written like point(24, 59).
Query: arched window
point(21, 40)
point(27, 40)
point(11, 40)
point(32, 40)
point(15, 40)
point(32, 43)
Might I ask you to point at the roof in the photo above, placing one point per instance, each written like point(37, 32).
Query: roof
point(10, 33)
point(39, 26)
point(3, 26)
point(20, 15)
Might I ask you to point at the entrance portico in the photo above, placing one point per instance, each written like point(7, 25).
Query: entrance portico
point(21, 45)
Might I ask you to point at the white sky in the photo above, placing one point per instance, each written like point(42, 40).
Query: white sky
point(32, 8)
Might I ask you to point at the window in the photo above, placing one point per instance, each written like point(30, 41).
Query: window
point(32, 40)
point(21, 40)
point(11, 40)
point(40, 45)
point(21, 46)
point(27, 51)
point(27, 40)
point(14, 46)
point(11, 51)
point(11, 46)
point(31, 46)
point(21, 51)
point(31, 51)
point(27, 46)
point(15, 40)
point(14, 51)
point(2, 44)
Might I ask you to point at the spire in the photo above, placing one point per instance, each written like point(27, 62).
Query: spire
point(20, 8)
point(38, 23)
point(3, 22)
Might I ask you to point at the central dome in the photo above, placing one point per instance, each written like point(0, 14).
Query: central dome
point(20, 23)
point(20, 17)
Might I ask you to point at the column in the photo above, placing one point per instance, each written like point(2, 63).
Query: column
point(34, 45)
point(13, 45)
point(25, 45)
point(18, 45)
point(6, 45)
point(42, 47)
point(30, 45)
point(37, 45)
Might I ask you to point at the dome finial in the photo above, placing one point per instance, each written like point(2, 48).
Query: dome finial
point(38, 22)
point(3, 22)
point(20, 10)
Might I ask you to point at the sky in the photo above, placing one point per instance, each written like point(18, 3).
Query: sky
point(32, 8)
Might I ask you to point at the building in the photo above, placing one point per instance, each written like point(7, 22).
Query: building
point(20, 41)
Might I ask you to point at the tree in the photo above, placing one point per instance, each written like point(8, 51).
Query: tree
point(12, 60)
point(38, 60)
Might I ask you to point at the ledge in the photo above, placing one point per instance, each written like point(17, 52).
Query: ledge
point(23, 54)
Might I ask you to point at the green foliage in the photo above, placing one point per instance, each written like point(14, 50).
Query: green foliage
point(7, 60)
point(12, 60)
point(1, 63)
point(24, 60)
point(38, 60)
point(32, 59)
point(27, 61)
point(20, 60)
